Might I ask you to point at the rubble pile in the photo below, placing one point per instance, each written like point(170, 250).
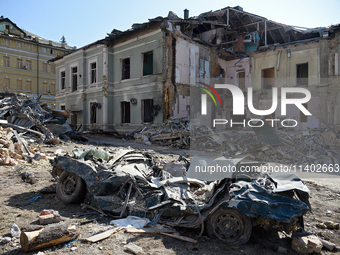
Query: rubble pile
point(318, 146)
point(26, 114)
point(14, 148)
point(297, 147)
point(174, 132)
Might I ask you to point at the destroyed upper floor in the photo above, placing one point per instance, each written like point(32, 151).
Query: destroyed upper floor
point(232, 31)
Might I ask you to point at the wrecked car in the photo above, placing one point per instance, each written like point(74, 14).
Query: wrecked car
point(129, 182)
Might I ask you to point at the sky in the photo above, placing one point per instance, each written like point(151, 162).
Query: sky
point(83, 22)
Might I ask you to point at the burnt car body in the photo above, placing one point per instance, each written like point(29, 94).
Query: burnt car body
point(129, 182)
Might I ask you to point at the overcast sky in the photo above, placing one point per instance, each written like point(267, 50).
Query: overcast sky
point(83, 21)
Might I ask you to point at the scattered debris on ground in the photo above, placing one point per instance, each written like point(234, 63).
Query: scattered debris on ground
point(319, 146)
point(27, 115)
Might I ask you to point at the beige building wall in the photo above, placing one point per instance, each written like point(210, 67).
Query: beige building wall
point(24, 66)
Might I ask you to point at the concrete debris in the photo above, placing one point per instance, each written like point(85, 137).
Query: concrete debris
point(329, 245)
point(306, 244)
point(135, 249)
point(49, 216)
point(15, 231)
point(6, 239)
point(174, 133)
point(16, 148)
point(317, 146)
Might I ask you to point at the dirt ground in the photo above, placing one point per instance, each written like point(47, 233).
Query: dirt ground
point(20, 183)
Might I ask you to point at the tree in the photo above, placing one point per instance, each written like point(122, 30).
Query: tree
point(63, 40)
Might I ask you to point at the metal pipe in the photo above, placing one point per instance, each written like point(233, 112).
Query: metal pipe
point(278, 61)
point(265, 33)
point(38, 69)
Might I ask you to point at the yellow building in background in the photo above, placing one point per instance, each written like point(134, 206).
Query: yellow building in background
point(24, 62)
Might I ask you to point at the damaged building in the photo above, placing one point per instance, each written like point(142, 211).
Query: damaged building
point(144, 75)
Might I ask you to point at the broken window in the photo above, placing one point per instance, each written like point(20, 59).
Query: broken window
point(241, 79)
point(147, 110)
point(52, 51)
point(302, 74)
point(125, 112)
point(62, 107)
point(268, 78)
point(28, 85)
point(303, 117)
point(148, 63)
point(6, 61)
point(74, 78)
point(62, 79)
point(19, 84)
point(19, 63)
point(126, 68)
point(93, 73)
point(93, 113)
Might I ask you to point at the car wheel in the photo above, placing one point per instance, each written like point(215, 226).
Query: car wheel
point(229, 225)
point(71, 188)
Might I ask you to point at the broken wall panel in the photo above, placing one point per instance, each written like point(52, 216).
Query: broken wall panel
point(233, 68)
point(181, 109)
point(186, 61)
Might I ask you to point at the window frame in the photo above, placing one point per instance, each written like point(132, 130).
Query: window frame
point(19, 84)
point(302, 81)
point(123, 69)
point(45, 67)
point(6, 59)
point(29, 64)
point(62, 80)
point(28, 88)
point(74, 78)
point(20, 63)
point(145, 54)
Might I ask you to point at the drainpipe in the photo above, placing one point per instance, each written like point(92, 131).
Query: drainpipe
point(38, 69)
point(265, 32)
point(278, 61)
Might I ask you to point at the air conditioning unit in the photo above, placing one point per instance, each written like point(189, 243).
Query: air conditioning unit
point(24, 67)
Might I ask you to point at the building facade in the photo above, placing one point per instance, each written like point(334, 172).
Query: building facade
point(24, 62)
point(151, 72)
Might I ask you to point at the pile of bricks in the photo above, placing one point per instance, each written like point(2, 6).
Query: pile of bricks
point(14, 148)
